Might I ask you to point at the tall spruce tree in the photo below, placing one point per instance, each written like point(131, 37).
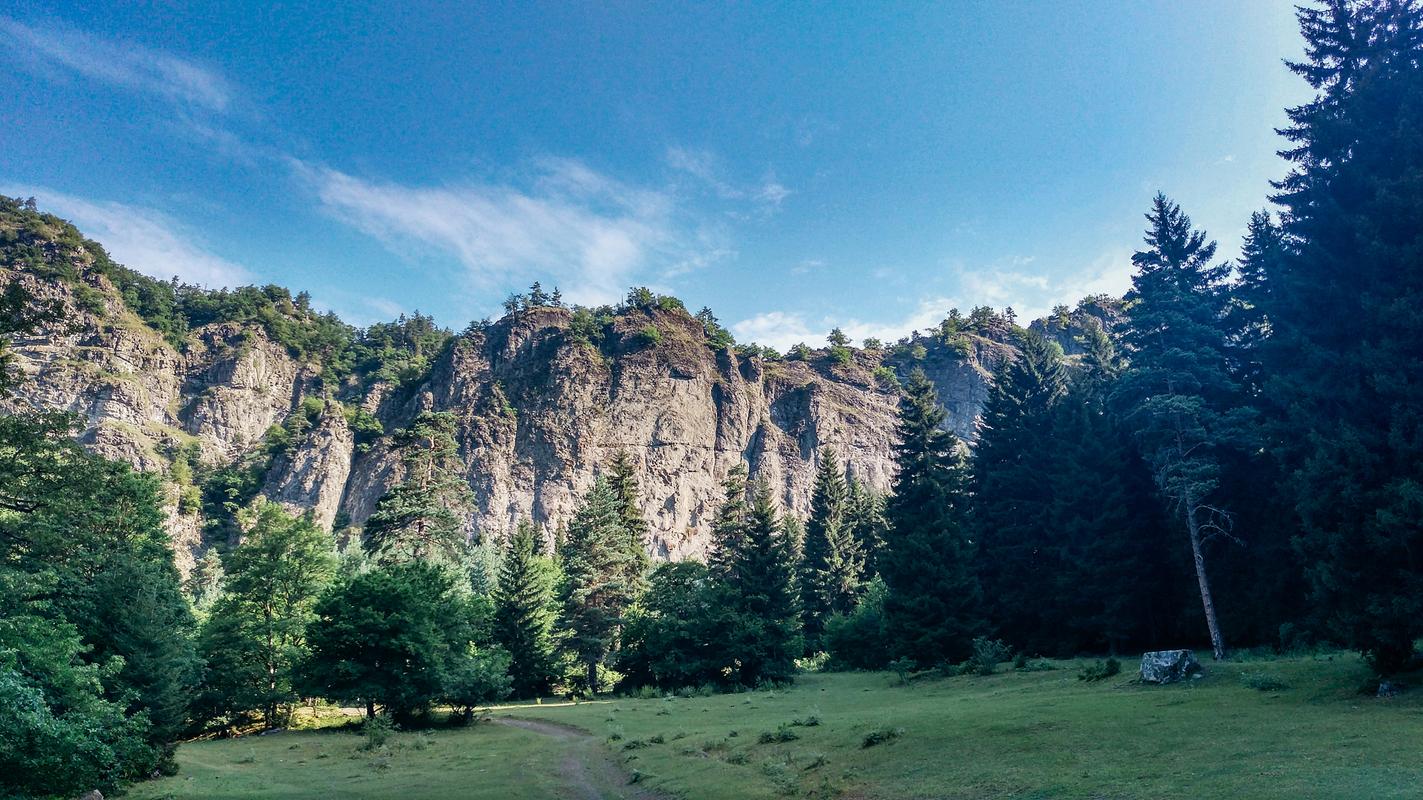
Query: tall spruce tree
point(757, 615)
point(933, 601)
point(597, 590)
point(623, 479)
point(1111, 589)
point(424, 516)
point(524, 612)
point(729, 525)
point(831, 563)
point(1179, 395)
point(1345, 307)
point(1020, 552)
point(864, 510)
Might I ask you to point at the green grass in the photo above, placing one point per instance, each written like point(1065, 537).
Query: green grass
point(481, 761)
point(1021, 735)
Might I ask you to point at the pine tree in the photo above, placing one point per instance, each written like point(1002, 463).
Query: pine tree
point(623, 480)
point(596, 591)
point(933, 603)
point(865, 514)
point(524, 612)
point(757, 629)
point(1345, 308)
point(1019, 550)
point(424, 516)
point(1179, 395)
point(729, 526)
point(1111, 582)
point(1260, 253)
point(832, 564)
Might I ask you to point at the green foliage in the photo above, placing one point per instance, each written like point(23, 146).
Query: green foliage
point(60, 734)
point(757, 616)
point(398, 636)
point(988, 654)
point(525, 612)
point(832, 562)
point(1100, 671)
point(718, 338)
point(365, 428)
point(649, 335)
point(100, 681)
point(256, 632)
point(424, 516)
point(598, 588)
point(932, 608)
point(589, 326)
point(663, 640)
point(1017, 540)
point(886, 377)
point(881, 735)
point(1179, 395)
point(902, 668)
point(1343, 302)
point(858, 640)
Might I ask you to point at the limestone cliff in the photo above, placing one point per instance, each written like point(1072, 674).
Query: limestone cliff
point(542, 404)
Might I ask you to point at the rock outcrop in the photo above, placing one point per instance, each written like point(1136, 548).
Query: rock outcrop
point(542, 407)
point(1168, 666)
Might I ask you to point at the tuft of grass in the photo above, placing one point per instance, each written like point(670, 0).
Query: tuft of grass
point(1263, 682)
point(1100, 671)
point(780, 735)
point(879, 736)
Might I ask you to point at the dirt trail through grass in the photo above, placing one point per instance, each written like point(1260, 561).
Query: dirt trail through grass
point(589, 770)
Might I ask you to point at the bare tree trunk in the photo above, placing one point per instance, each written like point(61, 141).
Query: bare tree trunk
point(370, 709)
point(1207, 604)
point(592, 677)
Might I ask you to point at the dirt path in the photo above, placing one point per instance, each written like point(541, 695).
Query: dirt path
point(586, 766)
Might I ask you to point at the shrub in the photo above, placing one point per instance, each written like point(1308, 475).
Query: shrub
point(816, 662)
point(988, 654)
point(377, 731)
point(810, 720)
point(880, 736)
point(779, 735)
point(902, 667)
point(1100, 671)
point(650, 335)
point(841, 355)
point(886, 377)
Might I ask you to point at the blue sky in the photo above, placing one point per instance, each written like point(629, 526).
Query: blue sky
point(792, 166)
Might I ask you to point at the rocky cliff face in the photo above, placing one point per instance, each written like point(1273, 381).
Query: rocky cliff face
point(541, 412)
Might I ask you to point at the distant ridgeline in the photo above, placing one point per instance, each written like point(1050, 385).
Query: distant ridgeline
point(234, 393)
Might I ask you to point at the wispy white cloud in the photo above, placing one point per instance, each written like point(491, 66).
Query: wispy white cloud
point(703, 165)
point(570, 225)
point(121, 64)
point(807, 265)
point(141, 238)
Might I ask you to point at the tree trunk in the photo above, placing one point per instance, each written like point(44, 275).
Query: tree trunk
point(592, 677)
point(1207, 604)
point(370, 709)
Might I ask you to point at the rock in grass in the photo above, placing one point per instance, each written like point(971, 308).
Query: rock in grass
point(1168, 666)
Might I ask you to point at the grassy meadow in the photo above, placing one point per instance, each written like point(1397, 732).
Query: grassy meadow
point(1270, 728)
